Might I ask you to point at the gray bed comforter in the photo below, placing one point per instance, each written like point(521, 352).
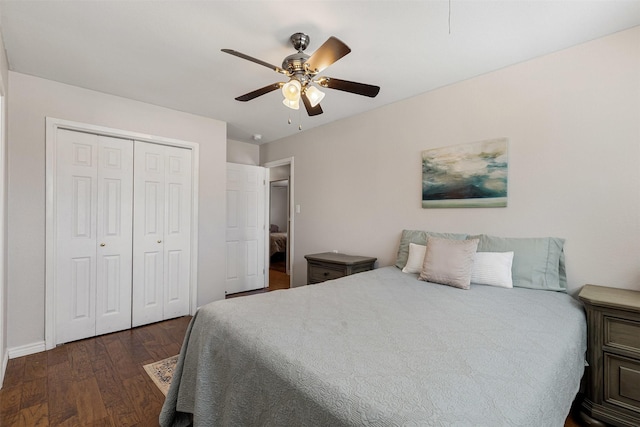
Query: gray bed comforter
point(381, 348)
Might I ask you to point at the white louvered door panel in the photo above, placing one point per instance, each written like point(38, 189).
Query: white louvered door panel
point(114, 235)
point(92, 283)
point(245, 228)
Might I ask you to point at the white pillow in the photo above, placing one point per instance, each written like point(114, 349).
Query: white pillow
point(493, 269)
point(416, 258)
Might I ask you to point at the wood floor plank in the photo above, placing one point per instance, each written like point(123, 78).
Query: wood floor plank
point(57, 355)
point(110, 386)
point(145, 400)
point(122, 362)
point(33, 392)
point(124, 414)
point(10, 401)
point(61, 394)
point(138, 352)
point(89, 402)
point(14, 374)
point(35, 366)
point(79, 362)
point(98, 355)
point(33, 416)
point(158, 345)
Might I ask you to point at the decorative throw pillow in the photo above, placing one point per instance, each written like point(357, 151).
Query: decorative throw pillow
point(538, 262)
point(416, 258)
point(493, 269)
point(419, 237)
point(449, 262)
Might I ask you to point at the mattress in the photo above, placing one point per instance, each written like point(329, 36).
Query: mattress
point(381, 348)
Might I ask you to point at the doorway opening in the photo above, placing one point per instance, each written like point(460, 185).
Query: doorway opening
point(280, 220)
point(279, 232)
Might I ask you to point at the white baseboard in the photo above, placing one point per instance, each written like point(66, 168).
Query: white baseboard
point(25, 350)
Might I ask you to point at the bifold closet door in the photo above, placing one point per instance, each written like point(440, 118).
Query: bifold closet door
point(94, 182)
point(162, 233)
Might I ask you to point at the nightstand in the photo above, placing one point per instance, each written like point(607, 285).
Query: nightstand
point(331, 265)
point(613, 353)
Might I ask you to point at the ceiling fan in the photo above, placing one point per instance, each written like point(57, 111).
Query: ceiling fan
point(302, 71)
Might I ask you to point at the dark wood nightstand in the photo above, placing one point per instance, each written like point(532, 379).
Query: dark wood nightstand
point(331, 265)
point(613, 376)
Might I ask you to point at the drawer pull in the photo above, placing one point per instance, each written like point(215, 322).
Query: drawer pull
point(326, 273)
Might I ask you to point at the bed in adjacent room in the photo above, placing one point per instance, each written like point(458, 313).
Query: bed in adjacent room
point(384, 348)
point(277, 243)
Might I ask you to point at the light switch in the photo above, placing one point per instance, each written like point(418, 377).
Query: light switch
point(297, 208)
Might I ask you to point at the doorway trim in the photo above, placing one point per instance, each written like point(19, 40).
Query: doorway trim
point(4, 353)
point(290, 241)
point(52, 126)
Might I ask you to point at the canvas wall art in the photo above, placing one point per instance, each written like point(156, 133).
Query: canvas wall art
point(466, 176)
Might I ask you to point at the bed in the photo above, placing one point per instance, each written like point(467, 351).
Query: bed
point(381, 348)
point(277, 243)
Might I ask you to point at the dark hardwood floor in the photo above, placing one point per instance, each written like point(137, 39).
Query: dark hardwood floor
point(98, 381)
point(278, 279)
point(94, 382)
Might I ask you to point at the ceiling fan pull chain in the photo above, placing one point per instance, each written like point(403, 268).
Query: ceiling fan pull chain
point(299, 120)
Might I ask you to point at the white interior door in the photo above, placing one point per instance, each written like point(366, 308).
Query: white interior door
point(162, 232)
point(114, 235)
point(245, 228)
point(177, 234)
point(93, 286)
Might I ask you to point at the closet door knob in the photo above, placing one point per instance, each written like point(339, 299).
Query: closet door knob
point(102, 244)
point(159, 241)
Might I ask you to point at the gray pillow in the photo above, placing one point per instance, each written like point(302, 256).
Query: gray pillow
point(449, 262)
point(538, 262)
point(419, 238)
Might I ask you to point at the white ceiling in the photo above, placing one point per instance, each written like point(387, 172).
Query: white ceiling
point(168, 52)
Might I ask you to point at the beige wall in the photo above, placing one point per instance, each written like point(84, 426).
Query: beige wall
point(32, 100)
point(243, 153)
point(573, 123)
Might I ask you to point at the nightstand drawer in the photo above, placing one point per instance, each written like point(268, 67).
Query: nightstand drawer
point(622, 382)
point(622, 334)
point(320, 274)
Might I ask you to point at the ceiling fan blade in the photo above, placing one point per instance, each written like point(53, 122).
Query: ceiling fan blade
point(347, 86)
point(259, 92)
point(312, 111)
point(252, 59)
point(332, 50)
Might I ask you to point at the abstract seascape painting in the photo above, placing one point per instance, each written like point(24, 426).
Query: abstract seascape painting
point(466, 176)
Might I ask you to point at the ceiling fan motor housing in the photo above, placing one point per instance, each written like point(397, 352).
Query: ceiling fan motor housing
point(300, 41)
point(294, 66)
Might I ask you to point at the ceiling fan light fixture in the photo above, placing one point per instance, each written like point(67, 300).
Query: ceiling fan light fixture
point(314, 94)
point(294, 105)
point(291, 90)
